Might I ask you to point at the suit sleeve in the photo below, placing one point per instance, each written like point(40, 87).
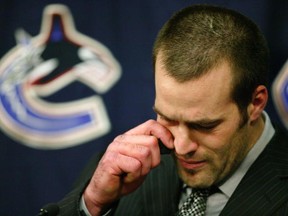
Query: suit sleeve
point(70, 204)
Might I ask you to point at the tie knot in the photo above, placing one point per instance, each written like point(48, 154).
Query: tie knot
point(201, 192)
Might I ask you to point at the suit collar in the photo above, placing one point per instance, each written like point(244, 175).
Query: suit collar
point(265, 186)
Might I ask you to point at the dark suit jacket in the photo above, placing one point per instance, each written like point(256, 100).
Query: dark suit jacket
point(263, 190)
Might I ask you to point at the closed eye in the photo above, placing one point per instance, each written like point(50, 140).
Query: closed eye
point(205, 127)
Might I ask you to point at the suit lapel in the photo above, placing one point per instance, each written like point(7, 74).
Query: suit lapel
point(265, 186)
point(161, 189)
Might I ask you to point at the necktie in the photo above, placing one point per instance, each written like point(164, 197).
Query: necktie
point(195, 204)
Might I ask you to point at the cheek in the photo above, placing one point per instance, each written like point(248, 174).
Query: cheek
point(229, 158)
point(222, 149)
point(220, 160)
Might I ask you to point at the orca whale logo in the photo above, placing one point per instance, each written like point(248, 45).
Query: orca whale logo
point(280, 94)
point(40, 66)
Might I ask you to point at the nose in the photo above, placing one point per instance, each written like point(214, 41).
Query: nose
point(183, 141)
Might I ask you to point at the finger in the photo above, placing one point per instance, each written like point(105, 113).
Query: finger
point(117, 165)
point(131, 167)
point(113, 171)
point(152, 127)
point(145, 148)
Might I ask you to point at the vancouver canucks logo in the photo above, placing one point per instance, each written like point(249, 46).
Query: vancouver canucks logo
point(280, 94)
point(41, 66)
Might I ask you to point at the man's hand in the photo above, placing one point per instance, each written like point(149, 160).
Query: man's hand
point(125, 164)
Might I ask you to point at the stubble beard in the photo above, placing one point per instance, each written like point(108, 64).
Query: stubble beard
point(213, 175)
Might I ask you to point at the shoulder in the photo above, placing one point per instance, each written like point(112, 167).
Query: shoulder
point(281, 132)
point(280, 139)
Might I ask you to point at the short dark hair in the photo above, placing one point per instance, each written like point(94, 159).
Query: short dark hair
point(199, 37)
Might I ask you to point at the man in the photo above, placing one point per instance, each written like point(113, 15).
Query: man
point(211, 67)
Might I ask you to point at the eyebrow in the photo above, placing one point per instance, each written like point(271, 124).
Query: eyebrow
point(160, 113)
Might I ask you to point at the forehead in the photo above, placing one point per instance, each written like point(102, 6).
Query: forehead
point(205, 96)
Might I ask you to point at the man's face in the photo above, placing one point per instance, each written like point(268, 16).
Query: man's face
point(205, 122)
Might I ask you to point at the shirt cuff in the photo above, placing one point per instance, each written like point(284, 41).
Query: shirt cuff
point(83, 207)
point(84, 211)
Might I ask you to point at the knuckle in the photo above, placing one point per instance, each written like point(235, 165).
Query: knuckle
point(151, 122)
point(136, 165)
point(153, 141)
point(120, 137)
point(144, 151)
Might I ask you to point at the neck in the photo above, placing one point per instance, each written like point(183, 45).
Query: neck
point(256, 129)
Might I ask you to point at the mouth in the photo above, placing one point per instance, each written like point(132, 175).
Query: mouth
point(191, 164)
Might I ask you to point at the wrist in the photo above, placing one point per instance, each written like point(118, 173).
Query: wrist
point(92, 206)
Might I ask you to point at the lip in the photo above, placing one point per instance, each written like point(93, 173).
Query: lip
point(191, 165)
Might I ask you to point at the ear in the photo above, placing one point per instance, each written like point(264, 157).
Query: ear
point(258, 103)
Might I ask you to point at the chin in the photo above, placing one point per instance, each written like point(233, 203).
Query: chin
point(196, 179)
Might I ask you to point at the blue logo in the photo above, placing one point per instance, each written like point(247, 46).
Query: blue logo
point(40, 66)
point(280, 94)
